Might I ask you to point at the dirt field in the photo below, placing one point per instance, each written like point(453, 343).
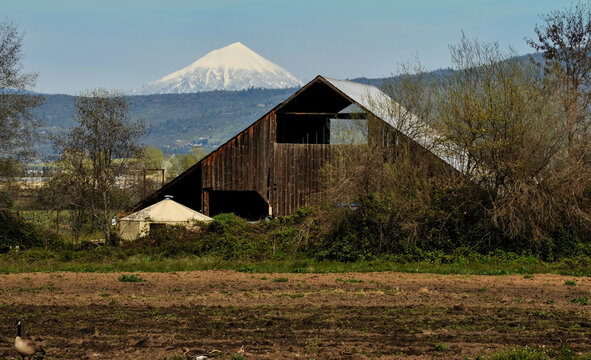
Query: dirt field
point(293, 316)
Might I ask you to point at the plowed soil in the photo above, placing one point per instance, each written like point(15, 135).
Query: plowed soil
point(293, 316)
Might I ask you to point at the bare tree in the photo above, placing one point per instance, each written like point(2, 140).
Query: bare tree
point(17, 122)
point(101, 153)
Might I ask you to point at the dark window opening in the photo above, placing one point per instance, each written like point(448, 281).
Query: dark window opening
point(308, 117)
point(297, 129)
point(246, 204)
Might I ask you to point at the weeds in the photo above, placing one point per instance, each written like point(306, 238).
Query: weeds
point(281, 280)
point(441, 347)
point(581, 301)
point(521, 353)
point(130, 278)
point(354, 281)
point(535, 353)
point(570, 283)
point(48, 261)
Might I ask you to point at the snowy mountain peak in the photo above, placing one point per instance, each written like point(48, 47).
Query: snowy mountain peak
point(234, 67)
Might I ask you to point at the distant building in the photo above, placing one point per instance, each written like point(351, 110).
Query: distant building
point(273, 166)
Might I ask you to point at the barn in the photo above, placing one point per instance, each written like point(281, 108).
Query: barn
point(273, 166)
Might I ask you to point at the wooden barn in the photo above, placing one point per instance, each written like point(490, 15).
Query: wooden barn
point(273, 166)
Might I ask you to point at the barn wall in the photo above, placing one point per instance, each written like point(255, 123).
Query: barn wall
point(296, 175)
point(243, 163)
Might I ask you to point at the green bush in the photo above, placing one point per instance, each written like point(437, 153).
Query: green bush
point(130, 278)
point(521, 353)
point(448, 236)
point(223, 223)
point(16, 232)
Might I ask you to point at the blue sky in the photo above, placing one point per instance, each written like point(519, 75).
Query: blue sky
point(77, 45)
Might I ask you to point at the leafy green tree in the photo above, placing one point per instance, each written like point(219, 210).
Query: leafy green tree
point(153, 158)
point(152, 163)
point(181, 162)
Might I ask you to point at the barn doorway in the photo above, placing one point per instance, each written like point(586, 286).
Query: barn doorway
point(246, 204)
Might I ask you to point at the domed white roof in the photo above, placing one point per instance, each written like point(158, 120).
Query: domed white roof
point(167, 210)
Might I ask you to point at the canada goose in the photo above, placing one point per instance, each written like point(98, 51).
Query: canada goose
point(199, 355)
point(25, 347)
point(194, 354)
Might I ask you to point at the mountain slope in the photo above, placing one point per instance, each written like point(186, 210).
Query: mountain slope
point(178, 121)
point(234, 67)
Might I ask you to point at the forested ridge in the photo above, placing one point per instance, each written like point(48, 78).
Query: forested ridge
point(178, 121)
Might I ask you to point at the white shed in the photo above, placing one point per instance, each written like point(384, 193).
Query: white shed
point(165, 212)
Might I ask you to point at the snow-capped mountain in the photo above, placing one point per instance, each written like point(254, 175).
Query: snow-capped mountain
point(234, 67)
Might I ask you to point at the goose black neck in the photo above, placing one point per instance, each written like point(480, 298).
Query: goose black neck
point(18, 330)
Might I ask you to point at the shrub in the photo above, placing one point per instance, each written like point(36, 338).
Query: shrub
point(223, 223)
point(130, 278)
point(581, 301)
point(16, 232)
point(441, 347)
point(521, 353)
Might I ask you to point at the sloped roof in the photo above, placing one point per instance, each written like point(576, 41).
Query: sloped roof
point(167, 210)
point(382, 106)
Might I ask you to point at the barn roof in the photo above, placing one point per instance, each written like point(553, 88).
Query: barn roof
point(373, 100)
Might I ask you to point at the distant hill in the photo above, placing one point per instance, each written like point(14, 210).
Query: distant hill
point(178, 121)
point(439, 73)
point(380, 82)
point(208, 119)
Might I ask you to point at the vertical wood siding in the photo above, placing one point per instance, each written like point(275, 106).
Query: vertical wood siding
point(245, 163)
point(242, 163)
point(296, 175)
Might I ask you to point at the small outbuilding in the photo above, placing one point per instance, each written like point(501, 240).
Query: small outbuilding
point(162, 213)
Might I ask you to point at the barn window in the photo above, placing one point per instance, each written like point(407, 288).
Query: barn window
point(246, 204)
point(299, 128)
point(302, 125)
